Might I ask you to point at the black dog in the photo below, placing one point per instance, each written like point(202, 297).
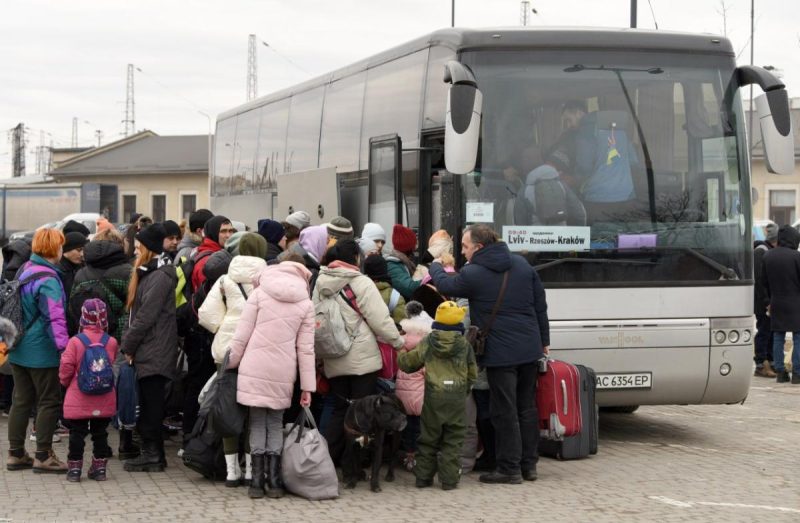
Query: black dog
point(368, 420)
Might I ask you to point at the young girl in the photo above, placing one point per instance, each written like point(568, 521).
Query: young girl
point(410, 388)
point(86, 414)
point(274, 337)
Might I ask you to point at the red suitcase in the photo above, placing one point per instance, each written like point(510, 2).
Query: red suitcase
point(558, 400)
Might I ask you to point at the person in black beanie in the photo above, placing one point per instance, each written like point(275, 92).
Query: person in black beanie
point(153, 238)
point(73, 226)
point(151, 343)
point(71, 259)
point(173, 232)
point(194, 234)
point(275, 235)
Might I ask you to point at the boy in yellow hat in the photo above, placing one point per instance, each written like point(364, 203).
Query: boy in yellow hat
point(450, 370)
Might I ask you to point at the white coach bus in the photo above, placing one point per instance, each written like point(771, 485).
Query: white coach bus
point(644, 241)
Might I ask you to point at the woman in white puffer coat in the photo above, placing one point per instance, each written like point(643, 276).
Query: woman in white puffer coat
point(220, 313)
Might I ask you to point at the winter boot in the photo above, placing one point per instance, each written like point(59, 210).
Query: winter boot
point(234, 473)
point(46, 462)
point(783, 376)
point(769, 372)
point(18, 460)
point(256, 490)
point(74, 469)
point(248, 469)
point(795, 377)
point(148, 461)
point(127, 448)
point(274, 481)
point(97, 471)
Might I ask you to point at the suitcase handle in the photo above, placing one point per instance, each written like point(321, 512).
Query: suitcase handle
point(564, 391)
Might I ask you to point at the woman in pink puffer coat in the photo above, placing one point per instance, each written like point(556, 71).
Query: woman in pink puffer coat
point(274, 337)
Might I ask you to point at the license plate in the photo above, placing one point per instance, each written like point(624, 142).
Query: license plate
point(633, 380)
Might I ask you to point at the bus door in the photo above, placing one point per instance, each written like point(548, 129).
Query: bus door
point(439, 194)
point(385, 170)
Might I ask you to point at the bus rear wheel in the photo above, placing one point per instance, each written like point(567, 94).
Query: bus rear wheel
point(624, 409)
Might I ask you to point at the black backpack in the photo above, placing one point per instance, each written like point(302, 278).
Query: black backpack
point(11, 302)
point(202, 451)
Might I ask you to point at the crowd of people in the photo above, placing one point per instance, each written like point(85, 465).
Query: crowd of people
point(183, 301)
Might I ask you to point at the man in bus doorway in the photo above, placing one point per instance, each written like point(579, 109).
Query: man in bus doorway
point(518, 338)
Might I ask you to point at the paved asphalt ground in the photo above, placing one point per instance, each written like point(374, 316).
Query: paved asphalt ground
point(726, 463)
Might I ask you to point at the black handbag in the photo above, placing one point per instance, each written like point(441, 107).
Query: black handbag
point(227, 416)
point(477, 337)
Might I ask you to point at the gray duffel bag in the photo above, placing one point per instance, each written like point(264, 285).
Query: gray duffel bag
point(308, 470)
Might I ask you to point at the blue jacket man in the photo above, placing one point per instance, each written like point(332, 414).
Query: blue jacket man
point(519, 336)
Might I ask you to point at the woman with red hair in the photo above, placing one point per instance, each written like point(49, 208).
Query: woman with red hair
point(36, 357)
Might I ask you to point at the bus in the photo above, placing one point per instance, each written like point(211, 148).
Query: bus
point(648, 268)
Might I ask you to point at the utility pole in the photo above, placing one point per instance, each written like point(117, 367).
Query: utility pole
point(18, 150)
point(74, 142)
point(252, 68)
point(524, 12)
point(130, 116)
point(633, 13)
point(41, 159)
point(453, 13)
point(99, 134)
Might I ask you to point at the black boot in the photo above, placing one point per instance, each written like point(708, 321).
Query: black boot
point(127, 448)
point(274, 480)
point(148, 461)
point(256, 490)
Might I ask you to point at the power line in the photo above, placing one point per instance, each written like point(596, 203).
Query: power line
point(285, 58)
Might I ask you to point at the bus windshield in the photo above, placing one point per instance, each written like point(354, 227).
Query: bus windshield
point(609, 168)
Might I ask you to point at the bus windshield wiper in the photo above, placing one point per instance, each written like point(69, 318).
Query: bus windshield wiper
point(726, 272)
point(559, 261)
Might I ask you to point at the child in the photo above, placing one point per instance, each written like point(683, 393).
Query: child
point(86, 414)
point(410, 388)
point(450, 369)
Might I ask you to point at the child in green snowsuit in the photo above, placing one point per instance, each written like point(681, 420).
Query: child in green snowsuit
point(450, 370)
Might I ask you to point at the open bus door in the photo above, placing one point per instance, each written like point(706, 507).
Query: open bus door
point(385, 172)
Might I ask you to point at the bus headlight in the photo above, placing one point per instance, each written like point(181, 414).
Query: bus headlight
point(747, 336)
point(719, 337)
point(733, 336)
point(725, 369)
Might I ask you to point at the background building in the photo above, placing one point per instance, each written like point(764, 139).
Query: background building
point(164, 177)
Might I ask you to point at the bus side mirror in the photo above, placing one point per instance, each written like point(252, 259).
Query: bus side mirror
point(772, 109)
point(774, 118)
point(462, 119)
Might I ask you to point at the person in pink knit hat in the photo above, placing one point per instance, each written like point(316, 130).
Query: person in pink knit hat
point(88, 413)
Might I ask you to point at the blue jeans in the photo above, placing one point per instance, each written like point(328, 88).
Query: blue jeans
point(777, 351)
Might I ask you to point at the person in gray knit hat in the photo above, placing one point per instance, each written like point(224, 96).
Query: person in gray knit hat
point(292, 225)
point(340, 228)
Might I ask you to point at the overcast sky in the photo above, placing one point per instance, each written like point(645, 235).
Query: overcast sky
point(63, 59)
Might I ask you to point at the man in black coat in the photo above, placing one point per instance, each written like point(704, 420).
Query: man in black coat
point(763, 338)
point(518, 338)
point(781, 279)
